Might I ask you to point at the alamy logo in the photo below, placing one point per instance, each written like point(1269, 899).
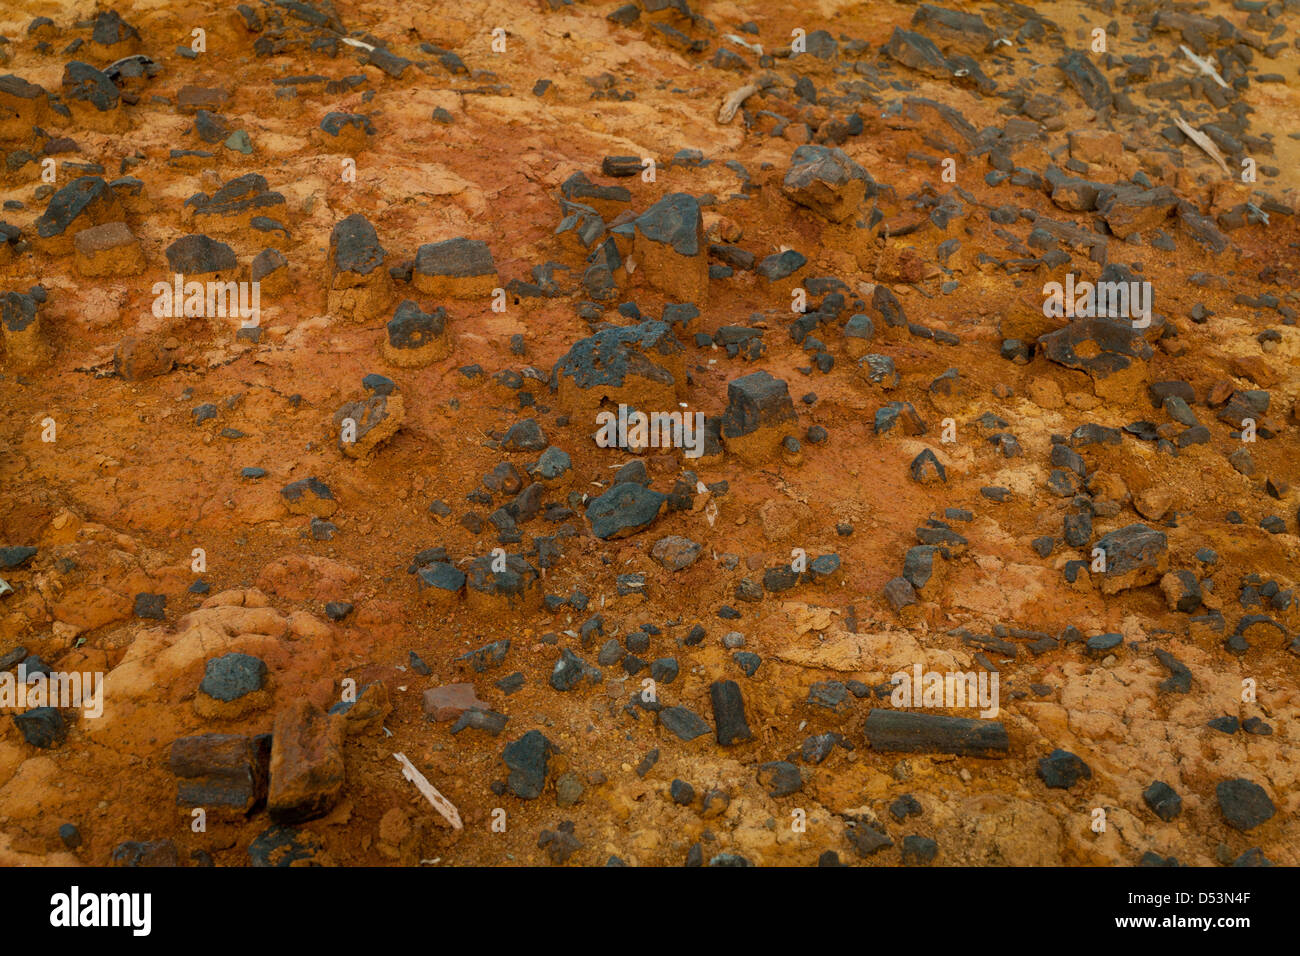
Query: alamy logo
point(56, 689)
point(947, 689)
point(637, 430)
point(193, 299)
point(103, 909)
point(1085, 300)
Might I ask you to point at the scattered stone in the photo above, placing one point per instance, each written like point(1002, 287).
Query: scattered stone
point(904, 732)
point(415, 338)
point(827, 181)
point(1182, 591)
point(669, 248)
point(148, 854)
point(1244, 804)
point(151, 606)
point(676, 553)
point(221, 771)
point(780, 778)
point(457, 268)
point(232, 686)
point(759, 411)
point(641, 366)
point(926, 469)
point(450, 701)
point(440, 583)
point(904, 807)
point(365, 425)
point(1163, 801)
point(729, 713)
point(360, 288)
point(683, 722)
point(569, 671)
point(86, 201)
point(526, 435)
point(16, 557)
point(200, 255)
point(526, 759)
point(900, 593)
point(866, 840)
point(285, 847)
point(42, 727)
point(919, 850)
point(306, 776)
point(624, 510)
point(1136, 555)
point(309, 496)
point(1061, 770)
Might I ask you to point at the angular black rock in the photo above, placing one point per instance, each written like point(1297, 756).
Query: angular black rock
point(729, 713)
point(1163, 801)
point(200, 254)
point(919, 850)
point(1061, 770)
point(15, 557)
point(569, 671)
point(334, 123)
point(820, 177)
point(625, 509)
point(780, 778)
point(455, 258)
point(676, 221)
point(754, 401)
point(865, 840)
point(1132, 547)
point(82, 82)
point(354, 246)
point(1089, 82)
point(898, 731)
point(69, 203)
point(42, 727)
point(151, 606)
point(527, 759)
point(609, 356)
point(411, 328)
point(1244, 804)
point(683, 722)
point(232, 676)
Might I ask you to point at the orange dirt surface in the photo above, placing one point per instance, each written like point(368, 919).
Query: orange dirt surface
point(106, 471)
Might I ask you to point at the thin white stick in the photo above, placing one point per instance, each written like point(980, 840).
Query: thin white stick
point(734, 101)
point(439, 802)
point(1205, 66)
point(1201, 140)
point(756, 47)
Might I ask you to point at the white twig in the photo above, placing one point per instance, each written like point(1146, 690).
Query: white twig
point(1205, 66)
point(1201, 140)
point(756, 47)
point(439, 802)
point(734, 101)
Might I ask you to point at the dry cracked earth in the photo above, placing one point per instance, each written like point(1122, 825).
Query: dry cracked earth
point(312, 312)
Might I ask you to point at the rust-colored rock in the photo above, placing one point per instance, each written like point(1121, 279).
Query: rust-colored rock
point(139, 358)
point(307, 772)
point(450, 701)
